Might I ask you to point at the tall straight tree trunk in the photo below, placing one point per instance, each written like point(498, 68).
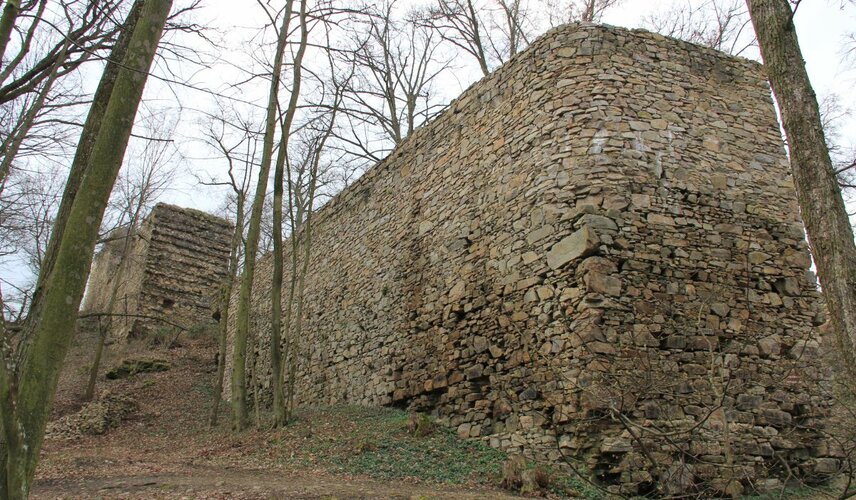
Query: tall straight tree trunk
point(306, 236)
point(242, 321)
point(829, 232)
point(276, 289)
point(80, 163)
point(297, 334)
point(276, 281)
point(280, 413)
point(225, 297)
point(480, 55)
point(53, 332)
point(7, 24)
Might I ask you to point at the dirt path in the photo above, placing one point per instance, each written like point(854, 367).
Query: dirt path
point(229, 483)
point(164, 449)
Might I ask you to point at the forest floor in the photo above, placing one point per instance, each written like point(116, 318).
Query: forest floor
point(152, 441)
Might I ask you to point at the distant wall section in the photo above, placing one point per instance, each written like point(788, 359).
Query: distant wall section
point(177, 262)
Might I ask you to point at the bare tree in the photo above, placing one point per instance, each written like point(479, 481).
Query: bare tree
point(303, 182)
point(44, 96)
point(50, 46)
point(240, 155)
point(279, 402)
point(27, 207)
point(720, 24)
point(242, 320)
point(829, 232)
point(26, 393)
point(396, 64)
point(74, 33)
point(492, 31)
point(833, 113)
point(147, 175)
point(515, 23)
point(82, 156)
point(567, 11)
point(460, 23)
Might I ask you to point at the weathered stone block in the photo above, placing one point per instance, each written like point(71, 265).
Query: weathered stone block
point(581, 243)
point(602, 283)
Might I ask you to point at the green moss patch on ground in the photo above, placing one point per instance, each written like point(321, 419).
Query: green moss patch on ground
point(378, 442)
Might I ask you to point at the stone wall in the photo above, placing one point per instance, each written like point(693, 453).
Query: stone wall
point(595, 256)
point(177, 262)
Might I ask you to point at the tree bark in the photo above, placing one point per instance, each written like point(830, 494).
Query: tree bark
point(225, 298)
point(307, 250)
point(276, 285)
point(306, 237)
point(280, 409)
point(80, 163)
point(242, 321)
point(52, 336)
point(7, 23)
point(827, 225)
point(477, 42)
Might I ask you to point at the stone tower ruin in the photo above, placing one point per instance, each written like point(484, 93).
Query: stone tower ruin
point(177, 263)
point(593, 256)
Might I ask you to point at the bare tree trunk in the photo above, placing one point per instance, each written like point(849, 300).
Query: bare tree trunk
point(301, 283)
point(477, 41)
point(225, 298)
point(828, 227)
point(276, 285)
point(307, 249)
point(29, 409)
point(290, 341)
point(7, 24)
point(276, 290)
point(91, 128)
point(242, 322)
point(253, 376)
point(280, 413)
point(96, 362)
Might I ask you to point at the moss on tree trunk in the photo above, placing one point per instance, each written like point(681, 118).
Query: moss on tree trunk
point(54, 326)
point(242, 320)
point(828, 227)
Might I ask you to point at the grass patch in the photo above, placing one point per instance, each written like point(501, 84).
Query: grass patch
point(799, 492)
point(381, 443)
point(391, 444)
point(574, 487)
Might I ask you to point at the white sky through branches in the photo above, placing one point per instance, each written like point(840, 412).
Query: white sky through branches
point(236, 25)
point(822, 26)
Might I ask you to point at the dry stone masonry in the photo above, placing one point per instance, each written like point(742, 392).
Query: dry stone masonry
point(170, 279)
point(594, 256)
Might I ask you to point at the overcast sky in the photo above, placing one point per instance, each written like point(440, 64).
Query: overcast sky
point(821, 24)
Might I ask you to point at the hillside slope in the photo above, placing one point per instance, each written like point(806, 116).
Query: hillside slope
point(153, 442)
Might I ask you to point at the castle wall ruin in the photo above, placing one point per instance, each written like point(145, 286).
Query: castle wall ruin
point(594, 255)
point(177, 262)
